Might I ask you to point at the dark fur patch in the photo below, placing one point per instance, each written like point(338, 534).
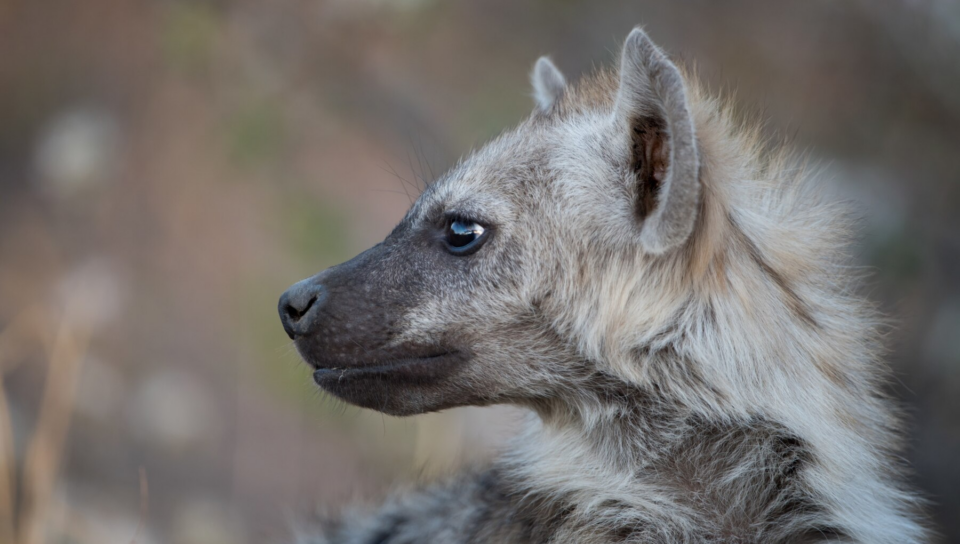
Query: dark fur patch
point(793, 301)
point(767, 501)
point(512, 513)
point(391, 527)
point(819, 535)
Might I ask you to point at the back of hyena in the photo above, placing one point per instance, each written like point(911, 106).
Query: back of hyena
point(667, 296)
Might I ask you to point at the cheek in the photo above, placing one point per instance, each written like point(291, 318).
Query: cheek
point(465, 308)
point(463, 313)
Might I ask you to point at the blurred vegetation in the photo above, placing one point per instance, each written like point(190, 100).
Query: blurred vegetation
point(255, 133)
point(188, 35)
point(185, 161)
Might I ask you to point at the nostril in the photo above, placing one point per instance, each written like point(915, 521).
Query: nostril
point(295, 313)
point(298, 308)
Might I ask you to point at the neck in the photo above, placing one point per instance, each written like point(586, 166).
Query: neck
point(621, 425)
point(660, 463)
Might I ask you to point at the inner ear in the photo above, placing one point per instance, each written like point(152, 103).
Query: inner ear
point(650, 161)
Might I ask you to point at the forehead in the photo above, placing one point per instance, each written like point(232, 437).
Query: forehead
point(489, 181)
point(519, 166)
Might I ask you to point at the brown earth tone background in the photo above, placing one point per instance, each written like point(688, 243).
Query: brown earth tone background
point(169, 167)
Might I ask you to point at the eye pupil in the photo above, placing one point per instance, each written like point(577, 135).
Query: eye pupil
point(461, 234)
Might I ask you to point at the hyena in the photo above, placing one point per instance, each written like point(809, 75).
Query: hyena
point(668, 297)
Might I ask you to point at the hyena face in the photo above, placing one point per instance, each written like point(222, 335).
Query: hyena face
point(485, 291)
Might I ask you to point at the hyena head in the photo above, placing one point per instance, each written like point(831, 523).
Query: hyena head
point(534, 263)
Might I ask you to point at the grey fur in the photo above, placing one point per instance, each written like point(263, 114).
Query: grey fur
point(668, 297)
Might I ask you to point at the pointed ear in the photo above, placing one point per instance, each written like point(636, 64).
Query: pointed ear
point(548, 83)
point(651, 105)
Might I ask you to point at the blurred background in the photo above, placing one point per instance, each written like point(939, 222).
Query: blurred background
point(168, 168)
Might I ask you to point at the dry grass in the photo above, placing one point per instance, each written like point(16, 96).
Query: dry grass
point(27, 502)
point(7, 474)
point(15, 341)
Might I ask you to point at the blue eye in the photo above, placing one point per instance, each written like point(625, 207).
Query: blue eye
point(464, 237)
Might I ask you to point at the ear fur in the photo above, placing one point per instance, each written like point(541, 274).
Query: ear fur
point(548, 83)
point(652, 105)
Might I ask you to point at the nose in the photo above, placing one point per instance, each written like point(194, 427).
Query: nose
point(299, 307)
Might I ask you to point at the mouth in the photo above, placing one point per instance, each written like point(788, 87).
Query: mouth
point(418, 370)
point(400, 380)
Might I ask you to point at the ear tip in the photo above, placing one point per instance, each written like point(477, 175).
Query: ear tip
point(638, 43)
point(637, 33)
point(638, 37)
point(545, 73)
point(544, 65)
point(641, 57)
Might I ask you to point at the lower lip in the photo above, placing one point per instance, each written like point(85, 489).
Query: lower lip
point(404, 369)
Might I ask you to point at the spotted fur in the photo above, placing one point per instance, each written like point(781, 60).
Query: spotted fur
point(669, 297)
